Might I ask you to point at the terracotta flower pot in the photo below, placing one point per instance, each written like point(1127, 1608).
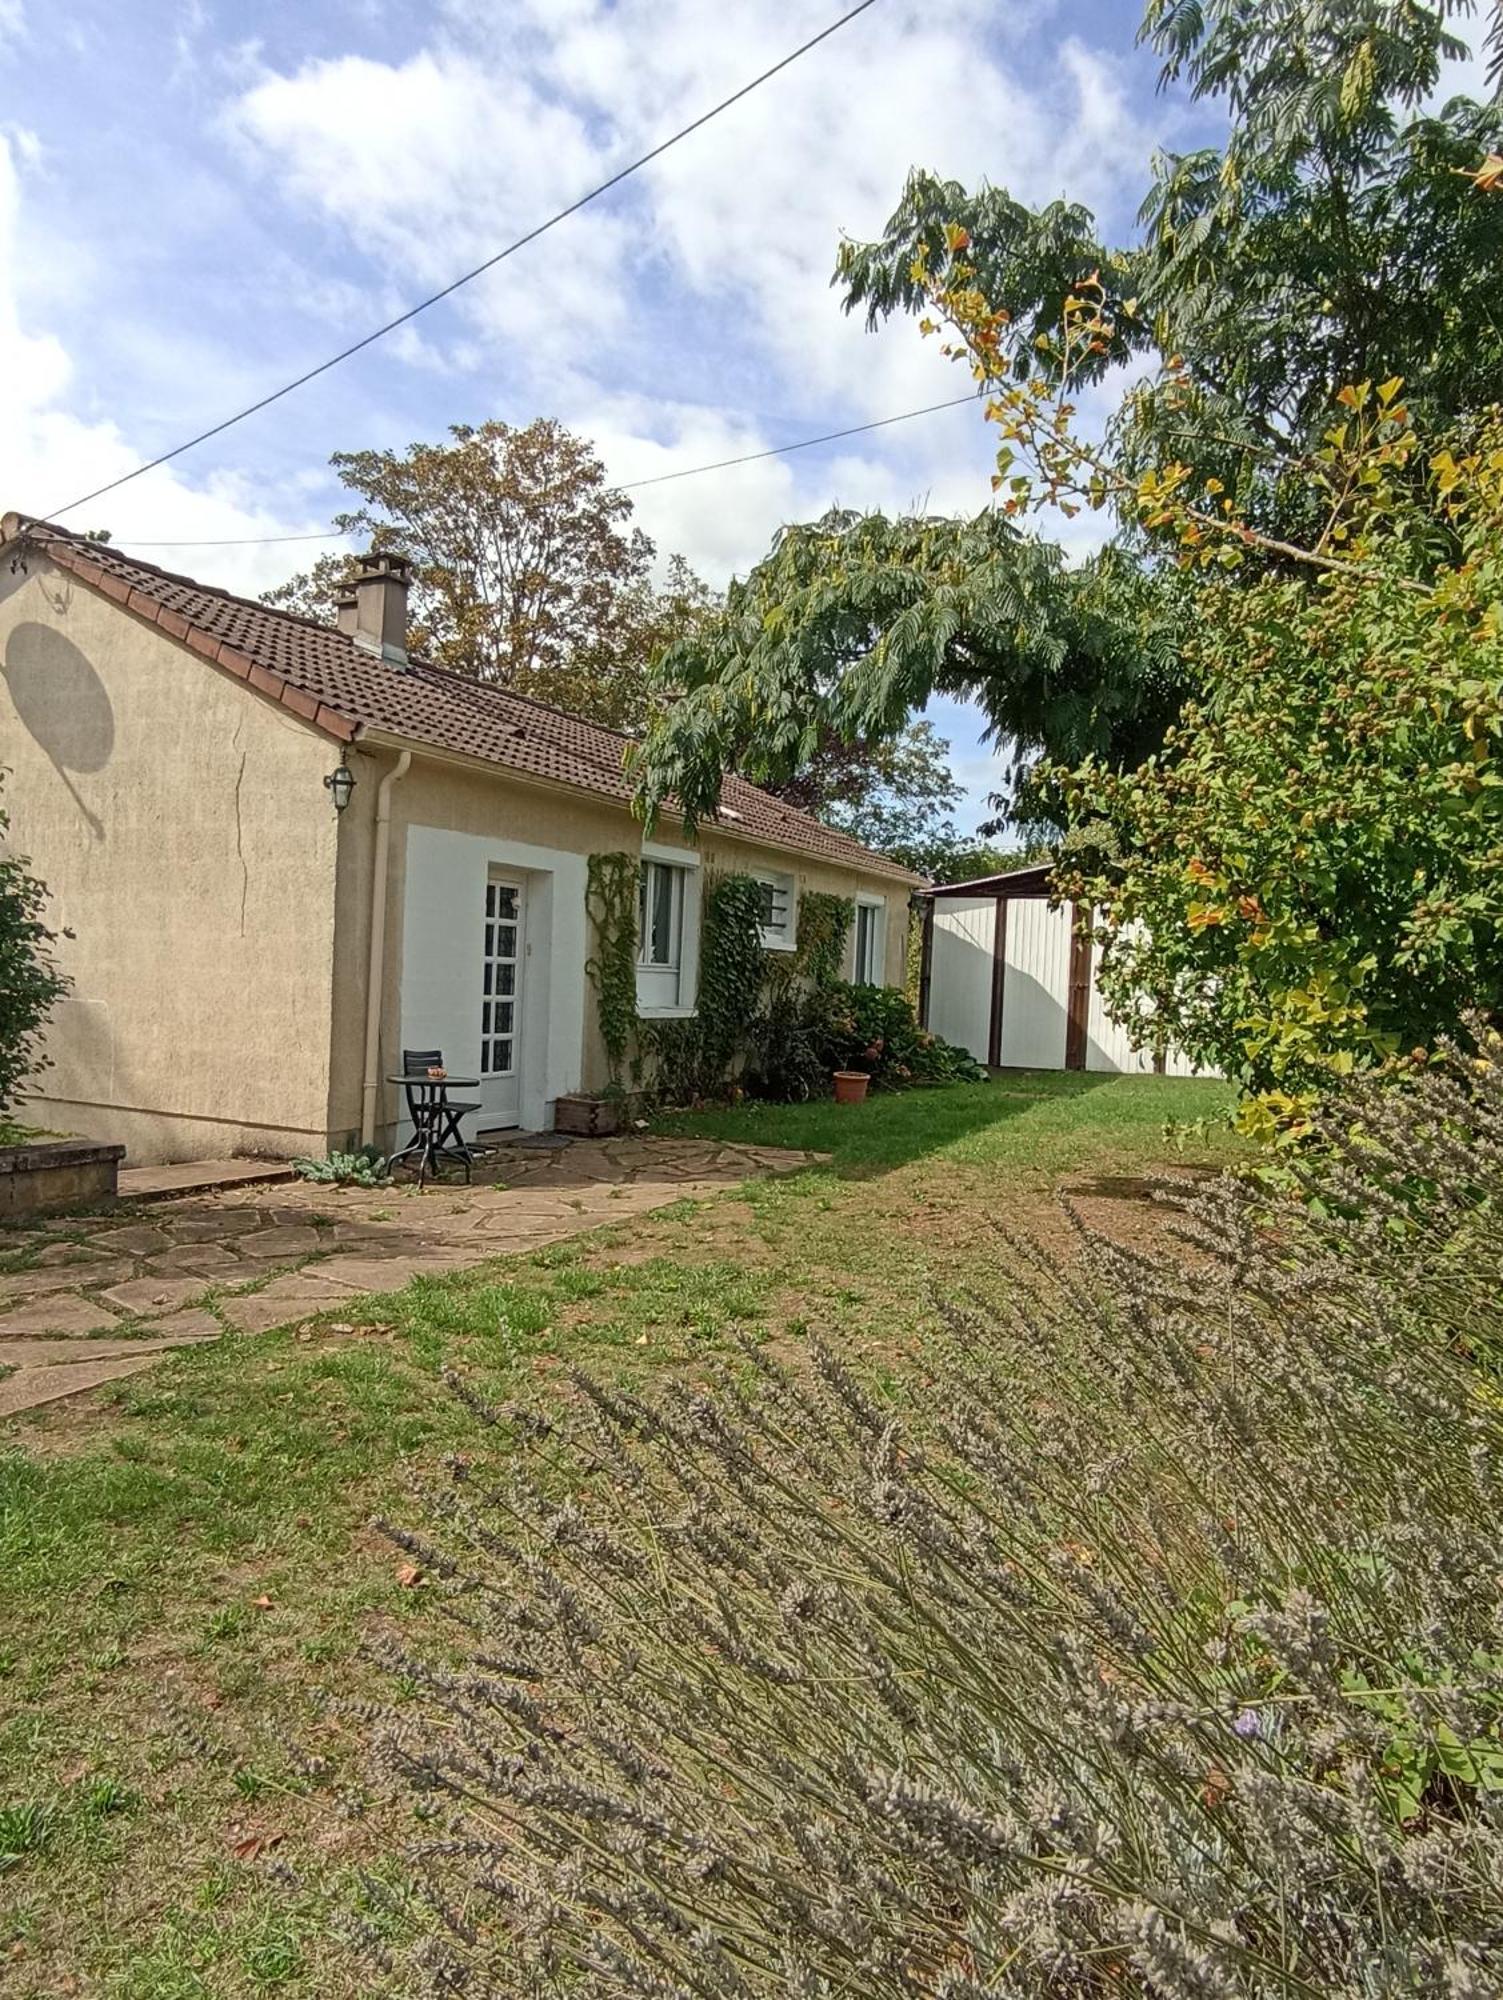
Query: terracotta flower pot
point(851, 1085)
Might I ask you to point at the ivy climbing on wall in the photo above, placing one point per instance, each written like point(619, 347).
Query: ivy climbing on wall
point(767, 1012)
point(694, 1058)
point(681, 1059)
point(611, 901)
point(824, 924)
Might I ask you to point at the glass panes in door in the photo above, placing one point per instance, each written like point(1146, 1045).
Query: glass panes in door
point(500, 974)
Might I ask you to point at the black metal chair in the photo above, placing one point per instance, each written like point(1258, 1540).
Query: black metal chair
point(435, 1120)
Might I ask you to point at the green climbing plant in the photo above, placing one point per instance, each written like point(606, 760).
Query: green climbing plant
point(682, 1059)
point(824, 924)
point(913, 956)
point(694, 1058)
point(789, 1039)
point(611, 901)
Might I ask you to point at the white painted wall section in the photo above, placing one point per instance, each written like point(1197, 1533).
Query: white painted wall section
point(443, 960)
point(1109, 1043)
point(1037, 984)
point(960, 973)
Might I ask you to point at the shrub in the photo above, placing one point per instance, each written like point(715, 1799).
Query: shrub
point(30, 984)
point(1309, 875)
point(801, 1037)
point(875, 1028)
point(365, 1168)
point(1152, 1643)
point(788, 1046)
point(1404, 1170)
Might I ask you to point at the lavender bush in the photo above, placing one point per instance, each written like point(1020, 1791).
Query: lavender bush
point(1150, 1642)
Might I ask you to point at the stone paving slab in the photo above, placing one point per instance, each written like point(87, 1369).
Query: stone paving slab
point(195, 1260)
point(147, 1297)
point(37, 1283)
point(196, 1323)
point(134, 1240)
point(68, 1313)
point(45, 1353)
point(254, 1312)
point(30, 1387)
point(281, 1244)
point(320, 1245)
point(74, 1254)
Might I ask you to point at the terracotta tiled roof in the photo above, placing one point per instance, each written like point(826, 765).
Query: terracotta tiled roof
point(321, 675)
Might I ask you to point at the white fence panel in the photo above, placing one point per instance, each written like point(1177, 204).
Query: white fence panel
point(960, 973)
point(1035, 1002)
point(1109, 1043)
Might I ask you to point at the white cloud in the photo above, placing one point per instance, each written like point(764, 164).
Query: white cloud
point(49, 453)
point(710, 273)
point(430, 166)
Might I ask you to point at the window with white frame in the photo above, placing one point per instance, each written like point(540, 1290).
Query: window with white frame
point(667, 931)
point(869, 941)
point(776, 911)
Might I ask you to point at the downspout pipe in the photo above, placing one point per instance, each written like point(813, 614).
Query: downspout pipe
point(375, 978)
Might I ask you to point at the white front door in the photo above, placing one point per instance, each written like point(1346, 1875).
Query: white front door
point(501, 1001)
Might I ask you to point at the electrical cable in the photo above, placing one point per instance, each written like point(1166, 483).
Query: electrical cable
point(402, 319)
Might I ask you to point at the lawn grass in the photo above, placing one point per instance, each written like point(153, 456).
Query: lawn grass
point(1031, 1121)
point(187, 1566)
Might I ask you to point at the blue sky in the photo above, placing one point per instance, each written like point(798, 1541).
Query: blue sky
point(199, 198)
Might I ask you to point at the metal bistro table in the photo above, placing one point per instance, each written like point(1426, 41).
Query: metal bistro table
point(435, 1122)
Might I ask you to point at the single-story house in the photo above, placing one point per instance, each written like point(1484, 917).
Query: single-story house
point(1012, 978)
point(284, 851)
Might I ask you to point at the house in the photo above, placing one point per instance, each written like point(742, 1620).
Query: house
point(1012, 978)
point(285, 851)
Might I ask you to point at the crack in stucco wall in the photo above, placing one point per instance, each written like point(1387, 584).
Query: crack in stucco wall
point(240, 831)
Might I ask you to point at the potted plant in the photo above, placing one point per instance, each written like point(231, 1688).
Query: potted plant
point(853, 1082)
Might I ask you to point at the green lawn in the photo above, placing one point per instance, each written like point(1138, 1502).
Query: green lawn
point(1030, 1121)
point(186, 1565)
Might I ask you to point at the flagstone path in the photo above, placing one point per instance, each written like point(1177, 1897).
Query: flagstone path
point(91, 1299)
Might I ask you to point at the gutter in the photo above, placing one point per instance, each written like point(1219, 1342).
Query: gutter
point(375, 972)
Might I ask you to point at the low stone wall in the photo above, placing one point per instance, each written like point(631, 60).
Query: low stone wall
point(53, 1174)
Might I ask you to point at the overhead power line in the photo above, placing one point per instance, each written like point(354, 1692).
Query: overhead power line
point(630, 486)
point(803, 444)
point(532, 235)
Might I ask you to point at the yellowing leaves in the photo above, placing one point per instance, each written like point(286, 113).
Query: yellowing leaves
point(1488, 178)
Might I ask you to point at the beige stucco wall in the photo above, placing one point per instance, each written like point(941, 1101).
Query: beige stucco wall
point(438, 793)
point(180, 822)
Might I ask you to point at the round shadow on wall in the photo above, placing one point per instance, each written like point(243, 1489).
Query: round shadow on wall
point(59, 699)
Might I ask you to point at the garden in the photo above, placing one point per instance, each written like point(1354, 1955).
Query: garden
point(1049, 1547)
point(195, 1606)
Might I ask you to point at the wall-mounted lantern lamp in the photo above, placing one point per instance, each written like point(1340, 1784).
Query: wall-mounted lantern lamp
point(340, 784)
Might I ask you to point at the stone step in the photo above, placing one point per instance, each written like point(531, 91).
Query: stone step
point(198, 1177)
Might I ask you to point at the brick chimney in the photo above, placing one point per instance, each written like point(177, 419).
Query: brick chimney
point(380, 616)
point(346, 613)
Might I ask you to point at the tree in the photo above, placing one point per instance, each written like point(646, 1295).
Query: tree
point(1333, 237)
point(30, 984)
point(897, 796)
point(853, 622)
point(1308, 878)
point(1336, 234)
point(526, 571)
